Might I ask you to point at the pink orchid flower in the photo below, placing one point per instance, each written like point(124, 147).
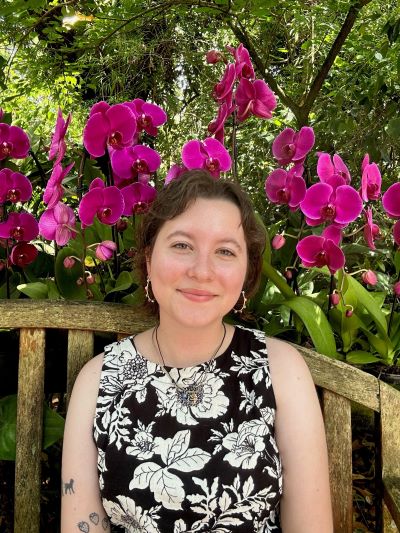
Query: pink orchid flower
point(391, 200)
point(58, 146)
point(396, 233)
point(318, 251)
point(371, 231)
point(285, 187)
point(222, 91)
point(371, 180)
point(58, 224)
point(243, 65)
point(174, 172)
point(137, 198)
point(108, 125)
point(327, 167)
point(23, 254)
point(54, 190)
point(105, 202)
point(254, 98)
point(149, 117)
point(213, 57)
point(20, 227)
point(14, 187)
point(290, 146)
point(135, 163)
point(216, 127)
point(323, 203)
point(14, 142)
point(209, 154)
point(105, 250)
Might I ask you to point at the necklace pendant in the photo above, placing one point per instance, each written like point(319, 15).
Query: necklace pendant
point(190, 396)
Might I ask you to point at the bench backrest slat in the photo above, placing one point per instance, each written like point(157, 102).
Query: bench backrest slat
point(80, 350)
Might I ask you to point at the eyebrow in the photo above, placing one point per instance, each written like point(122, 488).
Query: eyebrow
point(227, 240)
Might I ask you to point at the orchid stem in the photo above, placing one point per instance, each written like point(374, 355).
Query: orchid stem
point(7, 272)
point(81, 173)
point(331, 284)
point(234, 147)
point(39, 167)
point(392, 309)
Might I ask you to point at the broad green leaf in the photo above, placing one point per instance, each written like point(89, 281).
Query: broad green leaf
point(316, 324)
point(67, 278)
point(393, 128)
point(360, 357)
point(123, 282)
point(53, 427)
point(36, 290)
point(397, 261)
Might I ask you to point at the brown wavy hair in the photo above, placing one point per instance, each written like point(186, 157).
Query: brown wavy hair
point(178, 196)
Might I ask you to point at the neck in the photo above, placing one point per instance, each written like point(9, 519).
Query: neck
point(190, 346)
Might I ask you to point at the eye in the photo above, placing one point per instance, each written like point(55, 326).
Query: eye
point(181, 246)
point(226, 251)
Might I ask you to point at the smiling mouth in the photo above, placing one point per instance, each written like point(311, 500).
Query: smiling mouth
point(197, 294)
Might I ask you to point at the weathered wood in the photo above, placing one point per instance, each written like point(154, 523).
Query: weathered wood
point(340, 377)
point(388, 523)
point(391, 493)
point(337, 417)
point(91, 316)
point(29, 430)
point(80, 350)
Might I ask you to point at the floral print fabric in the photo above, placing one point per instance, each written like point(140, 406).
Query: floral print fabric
point(170, 465)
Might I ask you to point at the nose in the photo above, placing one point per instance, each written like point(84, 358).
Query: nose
point(202, 267)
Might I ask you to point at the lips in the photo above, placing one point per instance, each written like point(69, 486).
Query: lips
point(197, 295)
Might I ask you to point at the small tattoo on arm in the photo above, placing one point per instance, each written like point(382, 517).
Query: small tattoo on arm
point(83, 526)
point(105, 523)
point(94, 518)
point(68, 487)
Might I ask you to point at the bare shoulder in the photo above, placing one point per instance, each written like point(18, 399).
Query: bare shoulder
point(87, 383)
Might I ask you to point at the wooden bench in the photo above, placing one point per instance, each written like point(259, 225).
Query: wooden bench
point(339, 384)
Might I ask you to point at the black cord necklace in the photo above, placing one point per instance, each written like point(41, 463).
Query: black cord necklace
point(191, 394)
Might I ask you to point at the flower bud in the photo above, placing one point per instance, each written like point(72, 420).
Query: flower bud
point(79, 281)
point(213, 56)
point(369, 277)
point(278, 241)
point(288, 274)
point(69, 262)
point(396, 288)
point(105, 250)
point(334, 298)
point(121, 225)
point(349, 312)
point(90, 278)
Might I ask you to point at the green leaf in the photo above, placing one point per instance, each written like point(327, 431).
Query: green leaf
point(316, 324)
point(360, 357)
point(67, 278)
point(36, 290)
point(393, 128)
point(53, 427)
point(397, 261)
point(123, 282)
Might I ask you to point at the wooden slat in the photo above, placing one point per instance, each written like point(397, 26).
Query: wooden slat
point(391, 492)
point(343, 379)
point(337, 416)
point(29, 430)
point(80, 350)
point(90, 316)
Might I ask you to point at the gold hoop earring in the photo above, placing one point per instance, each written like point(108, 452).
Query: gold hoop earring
point(147, 291)
point(241, 309)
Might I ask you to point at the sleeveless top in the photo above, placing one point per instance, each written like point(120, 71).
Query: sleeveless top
point(168, 463)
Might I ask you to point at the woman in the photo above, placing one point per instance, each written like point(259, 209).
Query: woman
point(197, 424)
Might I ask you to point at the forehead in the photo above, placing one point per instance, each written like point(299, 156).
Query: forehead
point(216, 218)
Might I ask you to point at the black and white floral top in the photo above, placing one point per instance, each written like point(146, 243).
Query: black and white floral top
point(172, 464)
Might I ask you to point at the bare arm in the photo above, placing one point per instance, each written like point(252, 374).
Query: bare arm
point(306, 504)
point(81, 507)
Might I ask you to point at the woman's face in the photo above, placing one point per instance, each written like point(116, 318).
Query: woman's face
point(198, 264)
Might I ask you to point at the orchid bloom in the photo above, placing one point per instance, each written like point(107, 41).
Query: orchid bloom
point(23, 253)
point(20, 227)
point(290, 146)
point(327, 168)
point(283, 187)
point(105, 202)
point(14, 187)
point(14, 142)
point(243, 65)
point(371, 230)
point(58, 146)
point(323, 203)
point(114, 126)
point(137, 198)
point(149, 117)
point(58, 224)
point(391, 200)
point(222, 91)
point(319, 251)
point(105, 250)
point(216, 127)
point(371, 180)
point(54, 190)
point(254, 98)
point(135, 163)
point(174, 172)
point(396, 233)
point(209, 154)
